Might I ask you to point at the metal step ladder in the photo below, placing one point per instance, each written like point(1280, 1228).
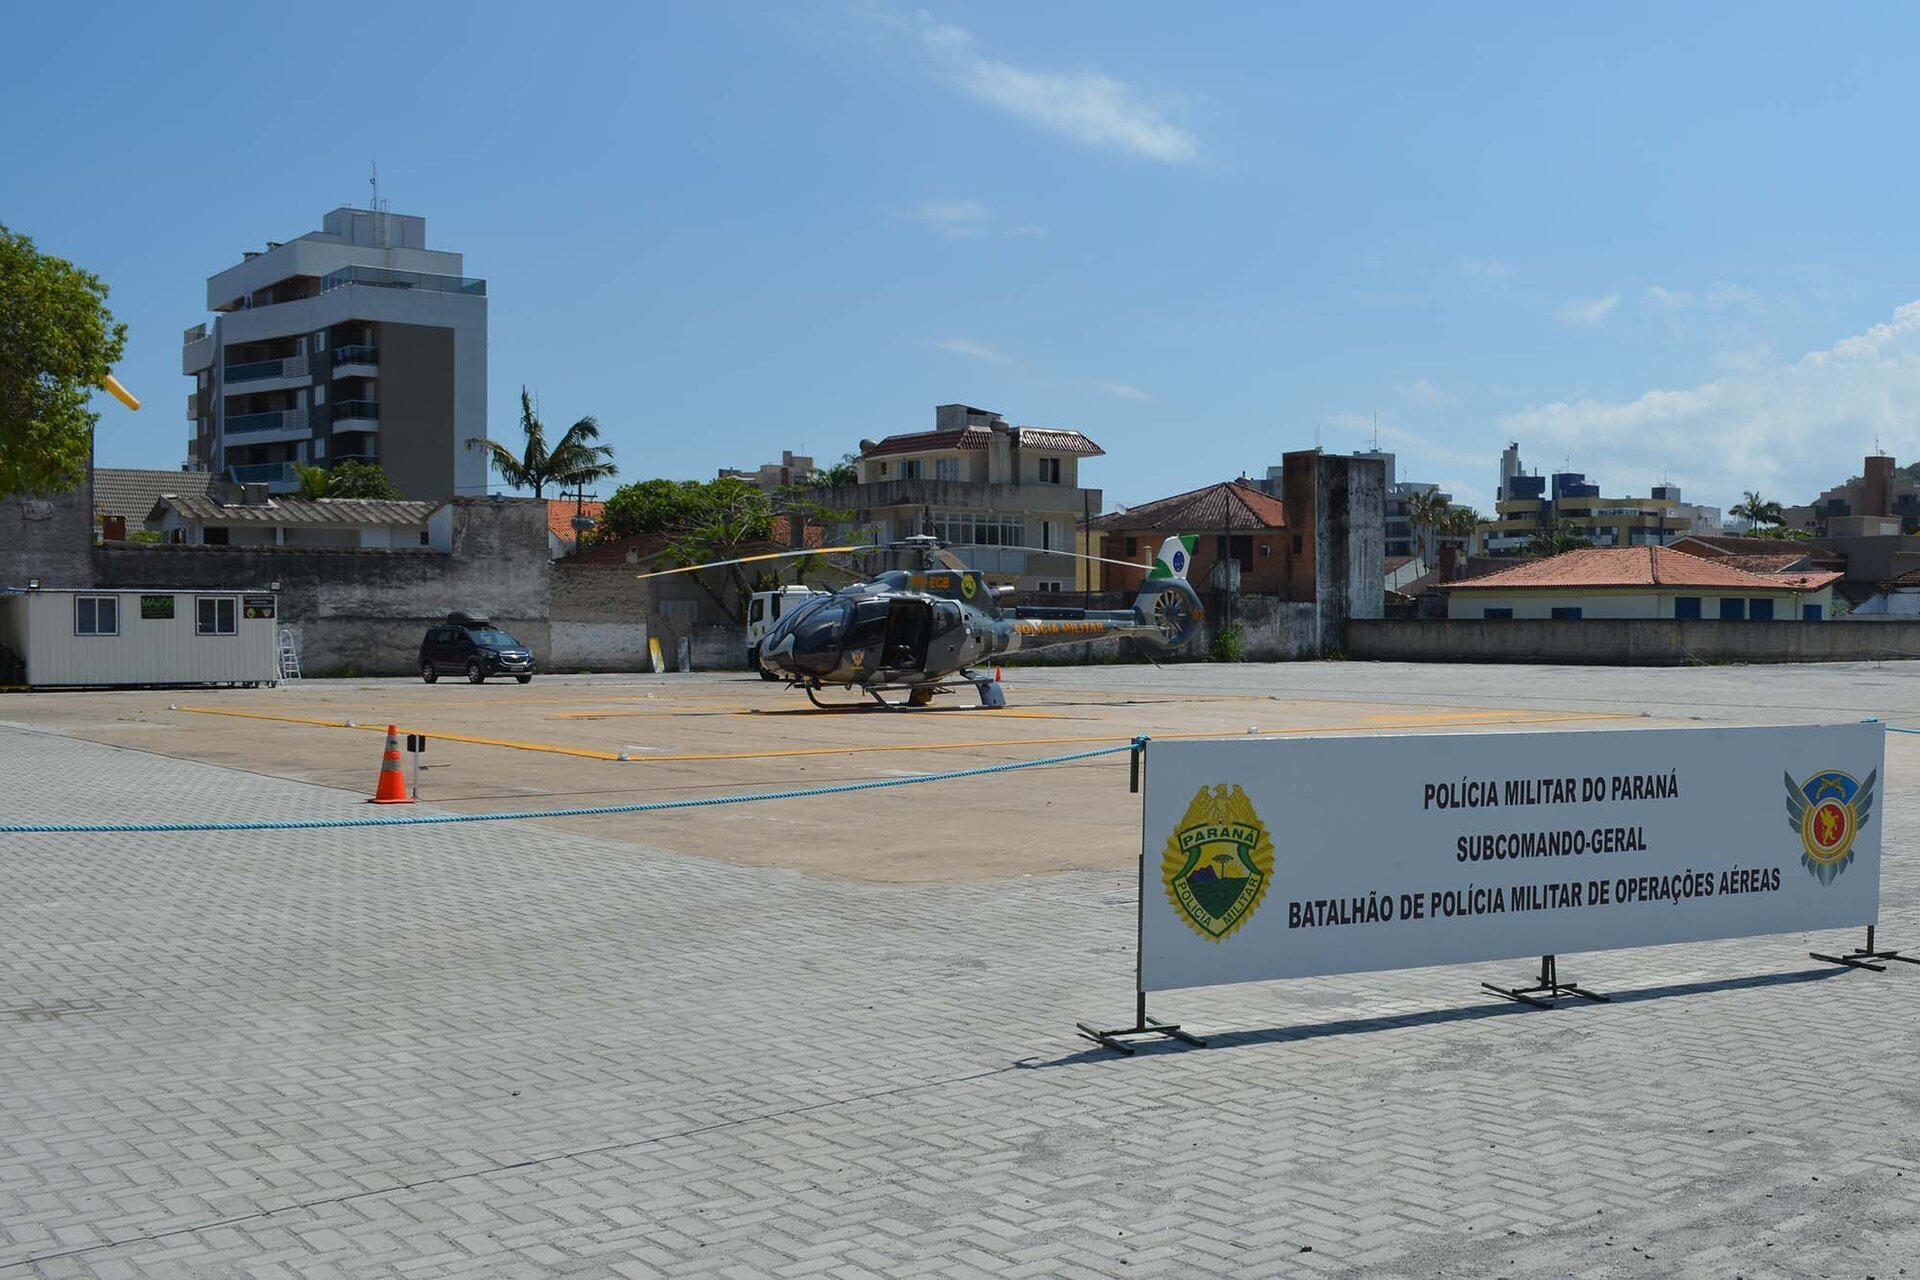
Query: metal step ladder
point(289, 656)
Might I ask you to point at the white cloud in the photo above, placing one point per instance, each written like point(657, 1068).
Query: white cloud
point(1788, 429)
point(1085, 106)
point(1485, 268)
point(1120, 390)
point(1726, 297)
point(1425, 392)
point(949, 217)
point(973, 351)
point(1721, 297)
point(1589, 311)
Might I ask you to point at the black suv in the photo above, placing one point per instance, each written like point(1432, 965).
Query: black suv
point(468, 642)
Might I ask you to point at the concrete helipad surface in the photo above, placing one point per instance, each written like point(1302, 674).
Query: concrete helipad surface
point(833, 1037)
point(556, 744)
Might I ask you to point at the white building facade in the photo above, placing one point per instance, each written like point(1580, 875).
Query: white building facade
point(352, 342)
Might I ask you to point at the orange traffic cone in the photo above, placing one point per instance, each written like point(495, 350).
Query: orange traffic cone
point(393, 782)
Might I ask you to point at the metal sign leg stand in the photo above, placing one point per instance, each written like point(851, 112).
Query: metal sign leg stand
point(1549, 988)
point(1117, 1039)
point(1863, 957)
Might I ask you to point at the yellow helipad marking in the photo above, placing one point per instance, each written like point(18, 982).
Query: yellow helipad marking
point(589, 753)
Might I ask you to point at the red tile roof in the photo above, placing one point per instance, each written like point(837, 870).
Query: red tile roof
point(1217, 508)
point(1045, 439)
point(1616, 567)
point(560, 513)
point(1777, 563)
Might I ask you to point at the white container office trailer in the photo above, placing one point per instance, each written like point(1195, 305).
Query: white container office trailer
point(151, 636)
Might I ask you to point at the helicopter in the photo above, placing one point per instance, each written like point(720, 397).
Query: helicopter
point(914, 633)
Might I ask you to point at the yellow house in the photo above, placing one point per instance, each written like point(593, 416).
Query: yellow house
point(1641, 582)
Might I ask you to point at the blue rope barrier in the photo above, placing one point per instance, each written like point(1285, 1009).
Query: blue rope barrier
point(655, 806)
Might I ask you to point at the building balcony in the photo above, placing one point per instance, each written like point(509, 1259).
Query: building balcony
point(383, 278)
point(370, 459)
point(196, 353)
point(356, 361)
point(257, 423)
point(292, 367)
point(356, 415)
point(1062, 501)
point(277, 476)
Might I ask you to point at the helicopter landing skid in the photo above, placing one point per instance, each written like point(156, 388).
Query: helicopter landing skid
point(992, 696)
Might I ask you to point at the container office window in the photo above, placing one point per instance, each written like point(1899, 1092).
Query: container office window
point(96, 615)
point(1762, 611)
point(1810, 612)
point(1569, 613)
point(1686, 606)
point(1732, 609)
point(1496, 613)
point(214, 616)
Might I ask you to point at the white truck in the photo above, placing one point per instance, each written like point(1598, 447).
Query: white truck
point(764, 609)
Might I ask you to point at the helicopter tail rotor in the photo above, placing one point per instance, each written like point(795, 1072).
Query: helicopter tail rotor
point(1169, 612)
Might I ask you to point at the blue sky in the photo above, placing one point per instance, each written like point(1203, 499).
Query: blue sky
point(1648, 240)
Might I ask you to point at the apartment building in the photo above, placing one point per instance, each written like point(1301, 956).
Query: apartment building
point(1010, 496)
point(1528, 504)
point(352, 342)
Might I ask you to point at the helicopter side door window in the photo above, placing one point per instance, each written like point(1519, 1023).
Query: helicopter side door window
point(909, 625)
point(867, 634)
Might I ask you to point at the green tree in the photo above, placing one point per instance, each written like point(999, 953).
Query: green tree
point(701, 521)
point(1556, 539)
point(1427, 512)
point(350, 479)
point(1756, 511)
point(838, 476)
point(58, 342)
point(574, 460)
point(1462, 523)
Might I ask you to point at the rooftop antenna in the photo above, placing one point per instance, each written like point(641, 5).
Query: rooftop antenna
point(377, 207)
point(1376, 431)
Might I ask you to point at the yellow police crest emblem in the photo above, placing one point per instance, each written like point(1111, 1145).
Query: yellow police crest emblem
point(1828, 811)
point(1218, 862)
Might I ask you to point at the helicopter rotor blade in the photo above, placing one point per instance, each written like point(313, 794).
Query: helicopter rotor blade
point(1054, 551)
point(771, 555)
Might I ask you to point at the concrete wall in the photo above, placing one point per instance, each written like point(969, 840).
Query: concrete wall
point(366, 610)
point(599, 618)
point(1271, 630)
point(49, 538)
point(1629, 642)
point(1471, 605)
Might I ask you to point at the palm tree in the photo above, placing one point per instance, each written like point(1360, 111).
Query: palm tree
point(1756, 511)
point(575, 460)
point(1462, 523)
point(1427, 513)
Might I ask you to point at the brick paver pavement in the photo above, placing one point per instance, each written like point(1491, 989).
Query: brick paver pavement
point(508, 1050)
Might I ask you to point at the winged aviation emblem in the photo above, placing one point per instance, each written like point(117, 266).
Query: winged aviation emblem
point(1827, 811)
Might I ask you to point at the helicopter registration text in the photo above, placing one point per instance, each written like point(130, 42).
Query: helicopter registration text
point(1037, 628)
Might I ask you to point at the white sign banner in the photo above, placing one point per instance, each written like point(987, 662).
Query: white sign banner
point(1290, 857)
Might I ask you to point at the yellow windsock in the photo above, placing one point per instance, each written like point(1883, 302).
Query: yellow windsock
point(120, 393)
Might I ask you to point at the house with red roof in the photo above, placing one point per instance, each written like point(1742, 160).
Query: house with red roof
point(1641, 582)
point(1008, 498)
point(1234, 520)
point(567, 519)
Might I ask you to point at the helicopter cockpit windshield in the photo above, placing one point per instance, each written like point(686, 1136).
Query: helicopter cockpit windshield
point(870, 635)
point(819, 634)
